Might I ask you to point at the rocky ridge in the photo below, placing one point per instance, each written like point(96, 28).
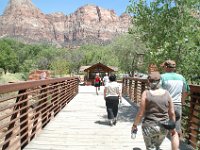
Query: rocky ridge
point(88, 24)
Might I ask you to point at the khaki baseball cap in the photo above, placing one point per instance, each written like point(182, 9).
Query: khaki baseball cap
point(169, 64)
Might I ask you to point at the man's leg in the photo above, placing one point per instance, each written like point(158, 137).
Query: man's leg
point(178, 112)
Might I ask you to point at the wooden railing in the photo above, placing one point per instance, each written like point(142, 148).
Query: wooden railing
point(193, 117)
point(132, 89)
point(27, 107)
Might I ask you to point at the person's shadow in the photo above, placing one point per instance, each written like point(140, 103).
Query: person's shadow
point(102, 122)
point(136, 148)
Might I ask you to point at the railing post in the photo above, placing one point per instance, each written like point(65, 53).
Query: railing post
point(60, 102)
point(43, 104)
point(14, 116)
point(63, 91)
point(24, 120)
point(135, 91)
point(126, 87)
point(77, 86)
point(143, 87)
point(123, 84)
point(130, 90)
point(55, 99)
point(68, 91)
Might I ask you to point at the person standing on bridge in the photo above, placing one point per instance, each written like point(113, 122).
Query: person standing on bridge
point(97, 83)
point(177, 87)
point(43, 75)
point(106, 79)
point(112, 95)
point(157, 109)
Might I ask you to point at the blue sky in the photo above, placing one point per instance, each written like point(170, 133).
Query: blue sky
point(69, 6)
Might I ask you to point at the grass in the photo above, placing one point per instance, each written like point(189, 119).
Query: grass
point(10, 77)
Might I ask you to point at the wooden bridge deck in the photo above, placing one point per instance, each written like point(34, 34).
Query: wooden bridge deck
point(83, 125)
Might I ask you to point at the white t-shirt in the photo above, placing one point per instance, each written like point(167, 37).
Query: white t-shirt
point(105, 80)
point(43, 75)
point(112, 89)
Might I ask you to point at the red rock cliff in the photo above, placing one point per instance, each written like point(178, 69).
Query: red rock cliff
point(89, 24)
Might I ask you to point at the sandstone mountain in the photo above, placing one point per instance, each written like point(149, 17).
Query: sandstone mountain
point(88, 24)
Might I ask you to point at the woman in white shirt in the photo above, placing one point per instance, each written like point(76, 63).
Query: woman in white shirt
point(111, 96)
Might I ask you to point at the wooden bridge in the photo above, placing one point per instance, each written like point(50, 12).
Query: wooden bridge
point(57, 114)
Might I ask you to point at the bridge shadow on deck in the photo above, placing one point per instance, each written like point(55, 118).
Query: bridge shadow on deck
point(125, 114)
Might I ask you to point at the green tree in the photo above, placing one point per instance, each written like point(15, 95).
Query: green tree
point(75, 59)
point(45, 57)
point(91, 54)
point(8, 58)
point(126, 48)
point(169, 29)
point(60, 67)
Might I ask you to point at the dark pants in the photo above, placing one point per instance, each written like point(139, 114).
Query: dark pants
point(112, 106)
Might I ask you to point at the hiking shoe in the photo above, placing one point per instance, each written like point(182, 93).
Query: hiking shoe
point(111, 122)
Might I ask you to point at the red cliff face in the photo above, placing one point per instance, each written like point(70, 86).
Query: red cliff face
point(89, 24)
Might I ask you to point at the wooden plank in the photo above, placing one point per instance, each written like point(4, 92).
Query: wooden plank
point(83, 125)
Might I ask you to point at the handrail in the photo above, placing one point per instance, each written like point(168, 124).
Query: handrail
point(29, 84)
point(27, 107)
point(193, 117)
point(132, 89)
